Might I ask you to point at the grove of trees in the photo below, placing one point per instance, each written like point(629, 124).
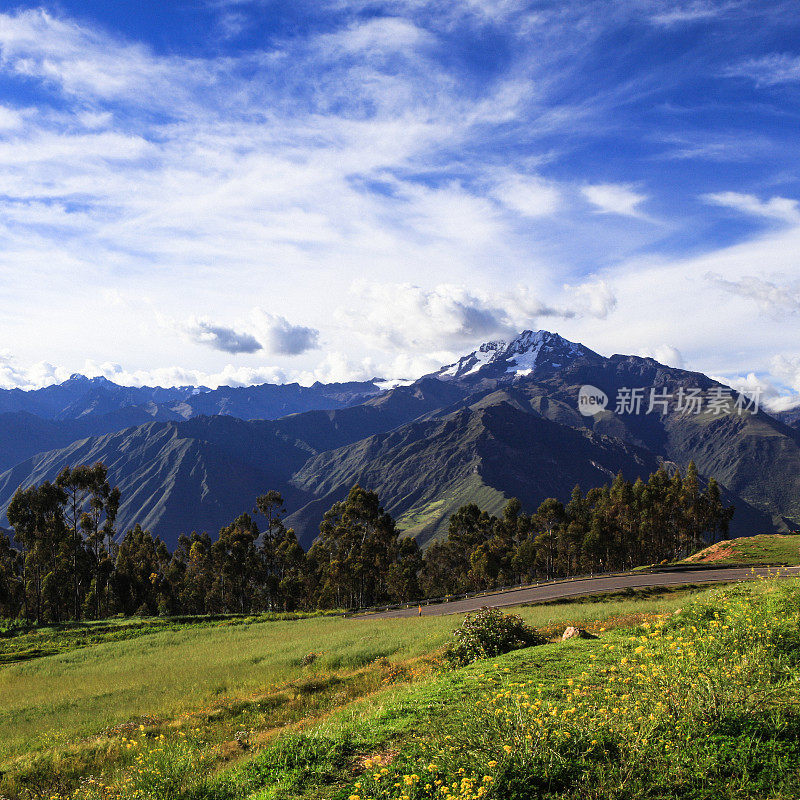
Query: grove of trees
point(67, 561)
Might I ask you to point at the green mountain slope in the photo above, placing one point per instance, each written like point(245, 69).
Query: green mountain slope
point(176, 479)
point(425, 470)
point(486, 453)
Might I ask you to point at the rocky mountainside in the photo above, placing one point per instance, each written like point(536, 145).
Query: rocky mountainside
point(504, 421)
point(532, 352)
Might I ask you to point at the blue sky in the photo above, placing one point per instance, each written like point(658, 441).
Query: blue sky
point(233, 192)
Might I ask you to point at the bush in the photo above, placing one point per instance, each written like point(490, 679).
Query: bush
point(12, 627)
point(488, 633)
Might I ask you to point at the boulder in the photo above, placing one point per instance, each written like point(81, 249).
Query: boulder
point(576, 633)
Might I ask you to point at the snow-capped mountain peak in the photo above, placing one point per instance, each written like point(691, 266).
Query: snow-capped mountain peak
point(518, 358)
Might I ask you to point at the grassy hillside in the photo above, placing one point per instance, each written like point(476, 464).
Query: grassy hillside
point(687, 695)
point(66, 715)
point(761, 549)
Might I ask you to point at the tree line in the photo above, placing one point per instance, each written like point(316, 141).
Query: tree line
point(67, 561)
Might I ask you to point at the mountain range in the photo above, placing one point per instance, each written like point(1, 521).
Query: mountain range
point(503, 421)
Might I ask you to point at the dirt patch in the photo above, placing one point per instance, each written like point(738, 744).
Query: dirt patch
point(717, 552)
point(374, 760)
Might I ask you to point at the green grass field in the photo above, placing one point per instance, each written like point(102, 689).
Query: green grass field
point(223, 675)
point(251, 709)
point(762, 549)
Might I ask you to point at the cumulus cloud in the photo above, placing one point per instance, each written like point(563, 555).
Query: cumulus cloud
point(229, 375)
point(761, 389)
point(203, 331)
point(451, 316)
point(338, 367)
point(771, 298)
point(407, 316)
point(402, 368)
point(36, 376)
point(787, 369)
point(664, 354)
point(615, 198)
point(280, 337)
point(781, 208)
point(262, 331)
point(15, 376)
point(593, 298)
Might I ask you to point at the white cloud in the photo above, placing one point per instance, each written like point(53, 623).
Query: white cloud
point(262, 331)
point(612, 198)
point(10, 119)
point(410, 317)
point(44, 374)
point(450, 316)
point(780, 208)
point(229, 375)
point(594, 298)
point(280, 337)
point(337, 367)
point(664, 354)
point(787, 369)
point(683, 13)
point(448, 213)
point(85, 62)
point(13, 376)
point(220, 337)
point(375, 37)
point(529, 196)
point(770, 70)
point(760, 389)
point(770, 297)
point(716, 147)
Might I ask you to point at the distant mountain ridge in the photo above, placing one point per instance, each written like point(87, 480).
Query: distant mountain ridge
point(501, 422)
point(81, 397)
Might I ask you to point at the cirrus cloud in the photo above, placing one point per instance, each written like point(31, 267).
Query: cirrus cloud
point(771, 298)
point(780, 208)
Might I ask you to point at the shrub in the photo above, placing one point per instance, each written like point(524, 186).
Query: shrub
point(488, 633)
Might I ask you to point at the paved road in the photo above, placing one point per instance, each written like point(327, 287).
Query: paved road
point(557, 590)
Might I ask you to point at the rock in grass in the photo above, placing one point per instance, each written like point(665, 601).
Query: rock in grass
point(576, 633)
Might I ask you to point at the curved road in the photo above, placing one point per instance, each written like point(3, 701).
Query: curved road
point(557, 590)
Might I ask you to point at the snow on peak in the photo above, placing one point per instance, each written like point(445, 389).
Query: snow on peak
point(520, 356)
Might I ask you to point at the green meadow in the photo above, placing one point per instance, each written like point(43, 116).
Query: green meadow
point(319, 707)
point(157, 672)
